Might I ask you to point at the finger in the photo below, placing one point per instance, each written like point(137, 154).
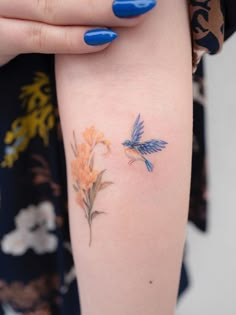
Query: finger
point(30, 37)
point(78, 12)
point(4, 59)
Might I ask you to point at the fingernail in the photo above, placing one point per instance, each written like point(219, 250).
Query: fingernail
point(99, 36)
point(131, 8)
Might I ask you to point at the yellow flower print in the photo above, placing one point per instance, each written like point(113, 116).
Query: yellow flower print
point(38, 120)
point(36, 94)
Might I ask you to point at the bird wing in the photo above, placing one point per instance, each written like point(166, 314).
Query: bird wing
point(137, 130)
point(151, 146)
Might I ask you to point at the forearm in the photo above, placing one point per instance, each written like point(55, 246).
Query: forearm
point(132, 264)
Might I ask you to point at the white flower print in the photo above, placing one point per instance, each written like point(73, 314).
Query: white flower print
point(8, 310)
point(33, 230)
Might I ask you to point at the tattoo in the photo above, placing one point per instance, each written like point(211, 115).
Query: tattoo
point(135, 150)
point(87, 181)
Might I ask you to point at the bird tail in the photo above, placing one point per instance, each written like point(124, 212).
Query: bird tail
point(149, 165)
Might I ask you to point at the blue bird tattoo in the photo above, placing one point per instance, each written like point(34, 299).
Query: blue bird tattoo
point(135, 150)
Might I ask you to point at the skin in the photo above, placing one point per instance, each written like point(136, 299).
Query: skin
point(53, 26)
point(133, 264)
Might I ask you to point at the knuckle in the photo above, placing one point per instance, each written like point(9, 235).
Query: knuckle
point(92, 9)
point(92, 12)
point(47, 9)
point(70, 44)
point(37, 37)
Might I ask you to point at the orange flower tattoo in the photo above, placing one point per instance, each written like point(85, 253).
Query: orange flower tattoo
point(87, 181)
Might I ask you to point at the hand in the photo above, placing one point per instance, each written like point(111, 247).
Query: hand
point(64, 27)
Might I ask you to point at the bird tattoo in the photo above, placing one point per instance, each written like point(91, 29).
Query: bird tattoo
point(135, 150)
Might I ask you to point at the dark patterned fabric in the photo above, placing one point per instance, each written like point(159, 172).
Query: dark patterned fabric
point(198, 193)
point(212, 21)
point(37, 275)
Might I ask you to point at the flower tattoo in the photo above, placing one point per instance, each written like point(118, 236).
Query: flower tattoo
point(87, 181)
point(135, 150)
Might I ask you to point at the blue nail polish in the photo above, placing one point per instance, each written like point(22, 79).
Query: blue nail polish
point(131, 8)
point(99, 36)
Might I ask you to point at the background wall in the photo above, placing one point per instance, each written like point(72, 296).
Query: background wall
point(212, 257)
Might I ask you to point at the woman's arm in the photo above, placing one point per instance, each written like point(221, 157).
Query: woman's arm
point(132, 264)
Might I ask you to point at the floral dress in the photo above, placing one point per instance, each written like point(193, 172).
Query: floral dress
point(37, 275)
